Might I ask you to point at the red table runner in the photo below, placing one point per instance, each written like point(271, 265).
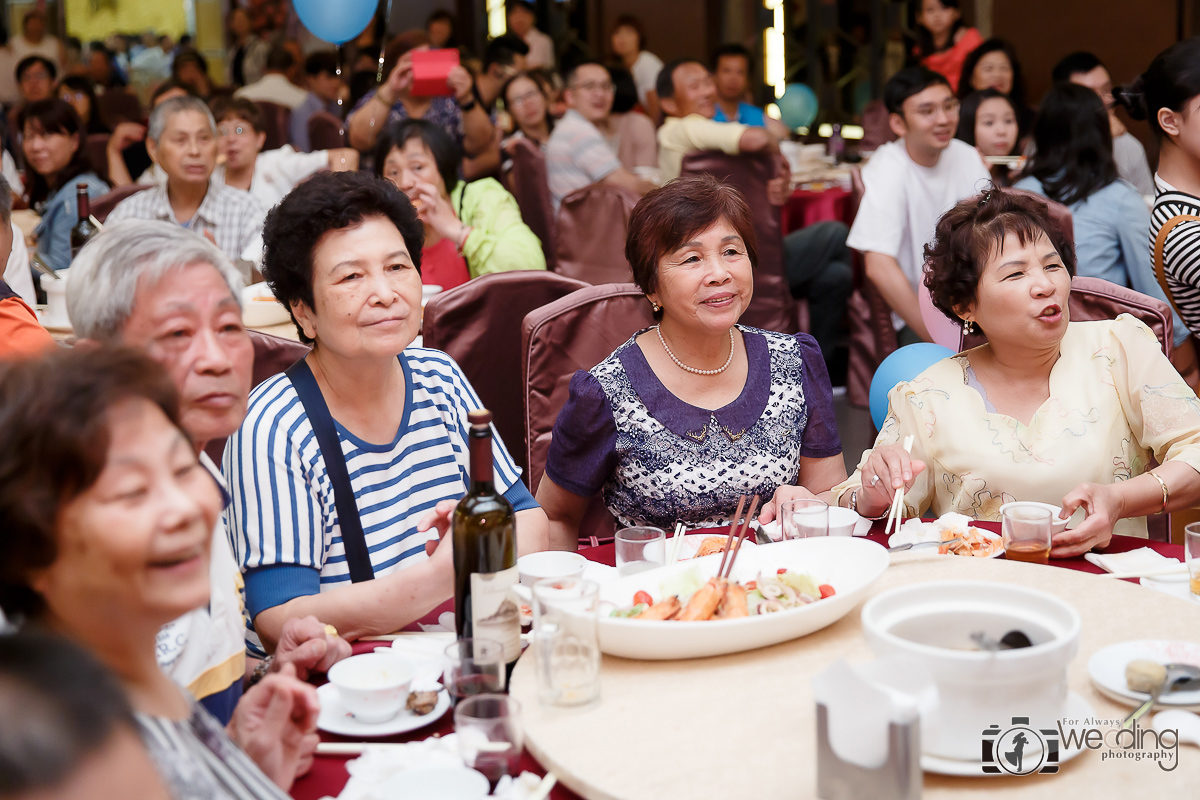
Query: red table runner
point(328, 774)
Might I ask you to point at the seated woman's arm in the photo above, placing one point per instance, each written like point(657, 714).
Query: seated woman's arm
point(564, 512)
point(499, 240)
point(1163, 415)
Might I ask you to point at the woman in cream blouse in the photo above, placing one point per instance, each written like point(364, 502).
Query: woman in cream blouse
point(1049, 410)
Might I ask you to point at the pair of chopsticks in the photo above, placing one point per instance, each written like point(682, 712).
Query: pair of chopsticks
point(677, 541)
point(737, 533)
point(897, 509)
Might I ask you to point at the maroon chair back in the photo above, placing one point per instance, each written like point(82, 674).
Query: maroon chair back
point(526, 179)
point(272, 355)
point(772, 307)
point(96, 147)
point(573, 333)
point(325, 131)
point(102, 206)
point(479, 325)
point(1060, 215)
point(592, 222)
point(876, 129)
point(276, 124)
point(119, 105)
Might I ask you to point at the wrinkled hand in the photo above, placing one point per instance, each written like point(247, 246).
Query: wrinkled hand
point(782, 495)
point(125, 134)
point(439, 517)
point(895, 468)
point(435, 211)
point(275, 722)
point(461, 83)
point(306, 645)
point(400, 79)
point(1103, 506)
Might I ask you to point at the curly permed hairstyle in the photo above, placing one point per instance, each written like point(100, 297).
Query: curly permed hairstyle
point(328, 201)
point(968, 234)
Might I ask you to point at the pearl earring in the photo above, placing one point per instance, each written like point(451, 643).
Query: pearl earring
point(968, 327)
point(657, 308)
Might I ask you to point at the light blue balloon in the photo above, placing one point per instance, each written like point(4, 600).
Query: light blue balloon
point(902, 365)
point(335, 21)
point(798, 106)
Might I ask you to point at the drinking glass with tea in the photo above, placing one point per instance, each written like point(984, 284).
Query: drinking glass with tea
point(1026, 531)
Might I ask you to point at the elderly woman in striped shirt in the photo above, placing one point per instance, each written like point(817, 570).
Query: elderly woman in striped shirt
point(343, 253)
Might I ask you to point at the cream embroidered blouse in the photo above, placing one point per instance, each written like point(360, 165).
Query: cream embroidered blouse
point(1115, 403)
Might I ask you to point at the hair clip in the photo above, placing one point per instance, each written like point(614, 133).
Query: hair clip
point(986, 195)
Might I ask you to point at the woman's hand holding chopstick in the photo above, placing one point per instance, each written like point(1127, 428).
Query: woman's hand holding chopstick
point(887, 469)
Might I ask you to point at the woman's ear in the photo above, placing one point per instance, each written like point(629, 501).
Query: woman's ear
point(305, 318)
point(1169, 120)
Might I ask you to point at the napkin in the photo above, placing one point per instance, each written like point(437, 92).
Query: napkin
point(600, 573)
point(1142, 559)
point(427, 652)
point(370, 772)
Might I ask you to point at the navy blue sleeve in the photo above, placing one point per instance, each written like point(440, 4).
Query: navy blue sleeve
point(820, 438)
point(520, 497)
point(583, 451)
point(275, 584)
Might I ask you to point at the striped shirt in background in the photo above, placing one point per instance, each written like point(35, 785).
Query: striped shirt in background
point(577, 155)
point(283, 522)
point(198, 761)
point(1181, 253)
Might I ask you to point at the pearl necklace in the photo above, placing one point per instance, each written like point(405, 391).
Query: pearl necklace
point(693, 370)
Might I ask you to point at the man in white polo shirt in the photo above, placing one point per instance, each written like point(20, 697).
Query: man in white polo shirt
point(909, 184)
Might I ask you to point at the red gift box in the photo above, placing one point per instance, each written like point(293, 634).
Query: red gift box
point(431, 68)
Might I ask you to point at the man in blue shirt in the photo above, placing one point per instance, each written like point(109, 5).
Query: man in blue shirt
point(730, 66)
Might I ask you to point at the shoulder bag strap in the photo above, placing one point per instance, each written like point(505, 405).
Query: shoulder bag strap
point(358, 559)
point(1160, 243)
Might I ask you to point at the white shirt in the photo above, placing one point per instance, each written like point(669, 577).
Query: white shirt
point(1132, 165)
point(276, 172)
point(273, 88)
point(645, 71)
point(903, 201)
point(47, 48)
point(16, 271)
point(541, 50)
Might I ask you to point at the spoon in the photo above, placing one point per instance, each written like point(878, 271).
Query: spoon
point(900, 548)
point(1180, 678)
point(1012, 640)
point(44, 268)
point(1185, 723)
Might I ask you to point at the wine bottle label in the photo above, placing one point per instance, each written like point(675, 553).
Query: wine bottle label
point(494, 611)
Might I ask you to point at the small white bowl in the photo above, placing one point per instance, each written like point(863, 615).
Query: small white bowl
point(842, 521)
point(1056, 525)
point(550, 564)
point(372, 686)
point(260, 309)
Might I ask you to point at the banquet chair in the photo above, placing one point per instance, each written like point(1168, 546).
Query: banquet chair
point(276, 120)
point(592, 222)
point(573, 333)
point(772, 307)
point(272, 355)
point(119, 105)
point(103, 205)
point(326, 132)
point(96, 147)
point(525, 177)
point(479, 325)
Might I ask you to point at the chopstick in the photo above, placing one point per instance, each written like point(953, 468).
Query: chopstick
point(897, 509)
point(1180, 569)
point(352, 748)
point(542, 790)
point(741, 537)
point(737, 520)
point(676, 541)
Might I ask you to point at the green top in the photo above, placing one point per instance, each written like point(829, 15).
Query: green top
point(500, 241)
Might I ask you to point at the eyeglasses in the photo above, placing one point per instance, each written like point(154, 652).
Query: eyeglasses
point(929, 110)
point(590, 86)
point(522, 99)
point(77, 96)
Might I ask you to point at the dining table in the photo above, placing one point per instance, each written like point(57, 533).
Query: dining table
point(745, 722)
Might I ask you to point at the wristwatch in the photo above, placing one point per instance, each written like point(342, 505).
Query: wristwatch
point(853, 506)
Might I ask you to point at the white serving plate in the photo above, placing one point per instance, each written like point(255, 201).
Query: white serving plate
point(334, 717)
point(262, 313)
point(1106, 668)
point(849, 565)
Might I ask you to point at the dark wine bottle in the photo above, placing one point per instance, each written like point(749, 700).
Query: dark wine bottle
point(84, 229)
point(485, 551)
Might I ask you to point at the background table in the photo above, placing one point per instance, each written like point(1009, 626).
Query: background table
point(328, 774)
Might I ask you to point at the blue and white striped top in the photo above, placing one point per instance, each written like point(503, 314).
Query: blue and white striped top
point(282, 520)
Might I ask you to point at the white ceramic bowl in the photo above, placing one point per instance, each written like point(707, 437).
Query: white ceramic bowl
point(848, 564)
point(260, 309)
point(550, 564)
point(444, 783)
point(933, 622)
point(1056, 525)
point(842, 521)
point(372, 686)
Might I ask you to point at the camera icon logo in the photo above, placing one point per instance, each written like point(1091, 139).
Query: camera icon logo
point(1020, 749)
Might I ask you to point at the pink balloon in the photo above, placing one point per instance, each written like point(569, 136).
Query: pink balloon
point(943, 331)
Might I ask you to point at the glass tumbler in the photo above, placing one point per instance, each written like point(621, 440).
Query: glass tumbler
point(1191, 548)
point(474, 666)
point(567, 640)
point(640, 549)
point(801, 519)
point(490, 738)
point(1026, 531)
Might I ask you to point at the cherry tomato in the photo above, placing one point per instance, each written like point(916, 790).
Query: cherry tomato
point(643, 597)
point(826, 590)
point(781, 570)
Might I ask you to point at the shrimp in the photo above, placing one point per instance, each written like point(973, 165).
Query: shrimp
point(734, 603)
point(705, 601)
point(662, 610)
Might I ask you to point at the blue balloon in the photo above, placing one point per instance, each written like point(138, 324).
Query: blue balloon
point(902, 365)
point(798, 106)
point(335, 22)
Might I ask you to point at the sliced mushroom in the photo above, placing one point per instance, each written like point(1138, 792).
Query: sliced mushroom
point(771, 589)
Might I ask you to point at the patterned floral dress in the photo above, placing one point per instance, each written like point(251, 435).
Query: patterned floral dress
point(1115, 404)
point(659, 460)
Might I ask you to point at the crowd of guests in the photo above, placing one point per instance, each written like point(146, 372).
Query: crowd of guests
point(197, 597)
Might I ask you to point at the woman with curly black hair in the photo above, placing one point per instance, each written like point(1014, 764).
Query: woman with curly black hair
point(1069, 413)
point(343, 252)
